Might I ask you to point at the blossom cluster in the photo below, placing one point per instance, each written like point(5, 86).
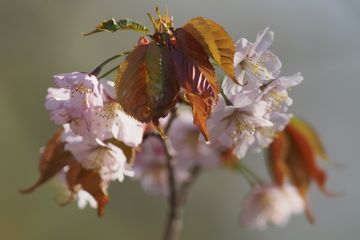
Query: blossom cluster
point(85, 107)
point(247, 116)
point(250, 113)
point(109, 131)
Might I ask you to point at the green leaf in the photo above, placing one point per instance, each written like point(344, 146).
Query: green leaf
point(153, 61)
point(112, 25)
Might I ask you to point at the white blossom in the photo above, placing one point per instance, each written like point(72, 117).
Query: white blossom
point(106, 158)
point(270, 204)
point(276, 95)
point(233, 126)
point(253, 63)
point(84, 198)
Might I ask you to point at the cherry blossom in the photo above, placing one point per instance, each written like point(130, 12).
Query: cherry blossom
point(108, 159)
point(150, 164)
point(68, 103)
point(151, 168)
point(234, 126)
point(276, 92)
point(88, 106)
point(253, 63)
point(84, 198)
point(270, 204)
point(172, 72)
point(110, 121)
point(276, 95)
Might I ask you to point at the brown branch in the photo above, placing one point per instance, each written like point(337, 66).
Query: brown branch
point(172, 227)
point(185, 189)
point(175, 217)
point(177, 197)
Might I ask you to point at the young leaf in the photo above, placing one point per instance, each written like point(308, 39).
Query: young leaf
point(215, 41)
point(90, 181)
point(201, 110)
point(196, 76)
point(53, 159)
point(279, 150)
point(112, 25)
point(307, 153)
point(146, 84)
point(129, 152)
point(191, 48)
point(293, 155)
point(311, 136)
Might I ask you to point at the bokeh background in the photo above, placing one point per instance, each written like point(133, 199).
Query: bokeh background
point(39, 38)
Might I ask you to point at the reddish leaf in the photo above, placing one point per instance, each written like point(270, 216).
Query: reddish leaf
point(293, 155)
point(201, 109)
point(277, 156)
point(88, 180)
point(53, 159)
point(129, 152)
point(311, 136)
point(215, 41)
point(146, 84)
point(196, 76)
point(299, 177)
point(229, 159)
point(194, 55)
point(307, 154)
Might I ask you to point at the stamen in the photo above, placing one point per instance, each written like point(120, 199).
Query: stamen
point(277, 100)
point(243, 128)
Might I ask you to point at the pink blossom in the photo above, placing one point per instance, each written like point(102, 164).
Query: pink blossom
point(151, 168)
point(110, 121)
point(106, 158)
point(150, 164)
point(88, 106)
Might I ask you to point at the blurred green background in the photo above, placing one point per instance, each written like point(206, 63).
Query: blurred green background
point(39, 38)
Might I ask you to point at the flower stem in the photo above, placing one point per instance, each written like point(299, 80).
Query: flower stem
point(109, 72)
point(98, 69)
point(249, 175)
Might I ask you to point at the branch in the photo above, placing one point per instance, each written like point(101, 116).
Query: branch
point(184, 191)
point(177, 196)
point(173, 224)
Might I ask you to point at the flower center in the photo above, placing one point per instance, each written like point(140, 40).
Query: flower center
point(108, 111)
point(277, 100)
point(256, 65)
point(243, 128)
point(81, 88)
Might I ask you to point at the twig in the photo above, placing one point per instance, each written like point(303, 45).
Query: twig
point(184, 191)
point(98, 69)
point(177, 196)
point(172, 227)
